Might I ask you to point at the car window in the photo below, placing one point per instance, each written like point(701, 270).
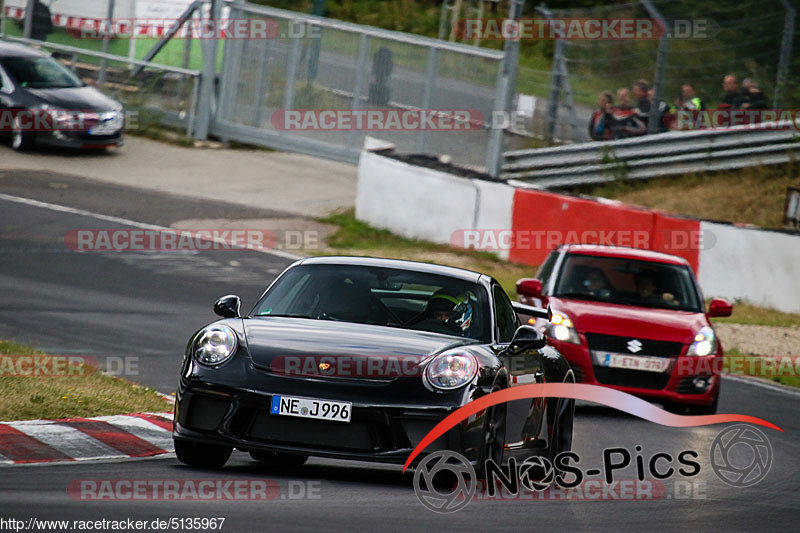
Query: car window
point(628, 282)
point(546, 270)
point(381, 296)
point(505, 315)
point(40, 73)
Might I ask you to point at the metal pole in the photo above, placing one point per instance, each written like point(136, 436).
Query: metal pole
point(2, 17)
point(786, 54)
point(362, 75)
point(427, 95)
point(291, 74)
point(28, 19)
point(504, 92)
point(208, 80)
point(262, 83)
point(661, 66)
point(556, 79)
point(132, 41)
point(101, 76)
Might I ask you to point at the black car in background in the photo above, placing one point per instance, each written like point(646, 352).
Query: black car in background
point(43, 102)
point(359, 358)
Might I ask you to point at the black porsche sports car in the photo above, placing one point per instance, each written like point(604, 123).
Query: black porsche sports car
point(358, 358)
point(43, 102)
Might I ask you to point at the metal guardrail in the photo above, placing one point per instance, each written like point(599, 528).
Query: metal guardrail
point(651, 156)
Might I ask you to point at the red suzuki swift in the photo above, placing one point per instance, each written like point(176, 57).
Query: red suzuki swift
point(633, 320)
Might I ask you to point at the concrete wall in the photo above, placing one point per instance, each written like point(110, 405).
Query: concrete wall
point(423, 203)
point(762, 267)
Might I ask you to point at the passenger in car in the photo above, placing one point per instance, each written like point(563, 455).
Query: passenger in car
point(647, 288)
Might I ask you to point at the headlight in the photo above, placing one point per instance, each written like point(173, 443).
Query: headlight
point(451, 369)
point(561, 328)
point(214, 345)
point(705, 342)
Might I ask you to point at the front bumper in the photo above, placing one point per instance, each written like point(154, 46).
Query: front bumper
point(675, 386)
point(388, 419)
point(80, 140)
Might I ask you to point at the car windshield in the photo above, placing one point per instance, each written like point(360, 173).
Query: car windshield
point(382, 296)
point(628, 282)
point(40, 73)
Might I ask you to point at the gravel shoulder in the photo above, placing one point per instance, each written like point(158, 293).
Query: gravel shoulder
point(759, 340)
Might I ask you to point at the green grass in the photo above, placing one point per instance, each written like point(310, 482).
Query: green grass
point(85, 393)
point(745, 313)
point(736, 367)
point(754, 195)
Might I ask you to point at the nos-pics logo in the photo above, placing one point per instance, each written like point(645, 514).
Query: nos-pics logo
point(445, 481)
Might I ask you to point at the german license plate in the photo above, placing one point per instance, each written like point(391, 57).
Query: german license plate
point(311, 408)
point(631, 362)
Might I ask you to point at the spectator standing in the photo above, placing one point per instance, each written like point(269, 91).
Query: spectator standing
point(689, 99)
point(643, 103)
point(752, 95)
point(602, 121)
point(732, 99)
point(626, 121)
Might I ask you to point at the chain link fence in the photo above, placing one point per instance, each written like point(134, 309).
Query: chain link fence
point(706, 41)
point(321, 64)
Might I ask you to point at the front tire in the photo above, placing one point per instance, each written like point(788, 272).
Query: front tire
point(494, 437)
point(202, 455)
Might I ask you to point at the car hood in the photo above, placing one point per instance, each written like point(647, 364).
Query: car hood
point(83, 98)
point(273, 340)
point(624, 320)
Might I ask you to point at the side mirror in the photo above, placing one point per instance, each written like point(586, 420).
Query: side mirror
point(719, 308)
point(228, 306)
point(527, 338)
point(529, 287)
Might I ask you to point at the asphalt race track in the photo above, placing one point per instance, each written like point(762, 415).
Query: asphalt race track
point(144, 306)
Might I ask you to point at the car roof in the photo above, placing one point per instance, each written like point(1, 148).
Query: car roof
point(623, 252)
point(416, 266)
point(8, 49)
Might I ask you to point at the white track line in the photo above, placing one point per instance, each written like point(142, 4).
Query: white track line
point(133, 223)
point(785, 389)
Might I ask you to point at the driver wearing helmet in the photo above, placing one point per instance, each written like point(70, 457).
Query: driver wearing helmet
point(454, 313)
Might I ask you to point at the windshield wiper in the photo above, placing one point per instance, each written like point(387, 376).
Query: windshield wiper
point(288, 315)
point(577, 295)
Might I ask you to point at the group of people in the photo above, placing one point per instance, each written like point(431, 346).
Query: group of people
point(629, 116)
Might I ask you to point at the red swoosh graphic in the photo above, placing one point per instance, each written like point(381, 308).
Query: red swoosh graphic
point(580, 391)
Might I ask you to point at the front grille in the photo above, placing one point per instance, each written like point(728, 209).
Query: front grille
point(615, 344)
point(623, 377)
point(315, 433)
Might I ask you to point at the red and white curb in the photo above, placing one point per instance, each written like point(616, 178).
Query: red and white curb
point(84, 439)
